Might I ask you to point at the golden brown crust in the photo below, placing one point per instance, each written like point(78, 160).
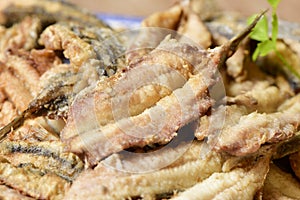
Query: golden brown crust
point(166, 19)
point(57, 37)
point(23, 35)
point(32, 183)
point(8, 112)
point(15, 90)
point(7, 193)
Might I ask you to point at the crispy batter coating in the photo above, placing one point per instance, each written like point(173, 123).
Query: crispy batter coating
point(23, 70)
point(223, 116)
point(35, 130)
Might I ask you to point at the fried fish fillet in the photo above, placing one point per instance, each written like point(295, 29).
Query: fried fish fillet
point(261, 97)
point(255, 129)
point(182, 19)
point(33, 183)
point(15, 90)
point(240, 183)
point(8, 112)
point(104, 182)
point(112, 138)
point(264, 97)
point(7, 193)
point(192, 27)
point(167, 19)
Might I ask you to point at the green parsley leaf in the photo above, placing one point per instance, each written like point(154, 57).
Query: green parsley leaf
point(261, 31)
point(263, 48)
point(266, 47)
point(265, 44)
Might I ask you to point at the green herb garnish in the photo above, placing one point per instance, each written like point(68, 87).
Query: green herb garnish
point(266, 44)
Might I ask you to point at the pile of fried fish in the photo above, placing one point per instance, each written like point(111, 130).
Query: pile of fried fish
point(86, 113)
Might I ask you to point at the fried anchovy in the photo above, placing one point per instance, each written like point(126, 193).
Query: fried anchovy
point(184, 105)
point(46, 100)
point(262, 98)
point(49, 11)
point(255, 129)
point(106, 183)
point(32, 182)
point(155, 76)
point(7, 193)
point(22, 35)
point(46, 156)
point(212, 124)
point(238, 183)
point(82, 43)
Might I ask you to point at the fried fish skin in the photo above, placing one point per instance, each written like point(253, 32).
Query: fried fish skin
point(46, 156)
